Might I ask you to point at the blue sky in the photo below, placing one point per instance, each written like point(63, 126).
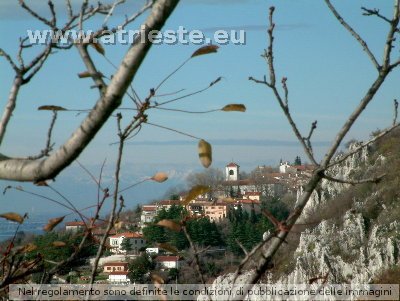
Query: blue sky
point(326, 69)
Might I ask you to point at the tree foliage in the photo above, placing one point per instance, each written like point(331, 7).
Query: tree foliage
point(248, 228)
point(140, 267)
point(202, 231)
point(56, 247)
point(126, 245)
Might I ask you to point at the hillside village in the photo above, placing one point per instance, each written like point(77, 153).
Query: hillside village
point(230, 195)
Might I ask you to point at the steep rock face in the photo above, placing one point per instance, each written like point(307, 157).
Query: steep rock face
point(328, 189)
point(350, 248)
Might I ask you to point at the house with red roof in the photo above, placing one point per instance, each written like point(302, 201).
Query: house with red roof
point(252, 195)
point(167, 204)
point(135, 239)
point(115, 266)
point(168, 262)
point(75, 226)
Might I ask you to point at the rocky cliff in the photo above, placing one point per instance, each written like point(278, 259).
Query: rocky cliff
point(352, 233)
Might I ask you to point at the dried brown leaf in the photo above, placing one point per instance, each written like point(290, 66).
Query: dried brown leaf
point(27, 248)
point(205, 153)
point(53, 222)
point(157, 279)
point(99, 48)
point(160, 177)
point(169, 224)
point(51, 108)
point(195, 192)
point(84, 74)
point(12, 216)
point(41, 183)
point(168, 247)
point(118, 225)
point(59, 244)
point(233, 107)
point(205, 50)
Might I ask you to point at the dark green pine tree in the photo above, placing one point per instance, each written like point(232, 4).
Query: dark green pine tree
point(126, 245)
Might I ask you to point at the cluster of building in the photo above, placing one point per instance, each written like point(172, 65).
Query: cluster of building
point(232, 193)
point(235, 192)
point(118, 271)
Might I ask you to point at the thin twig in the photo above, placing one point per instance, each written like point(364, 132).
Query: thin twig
point(241, 247)
point(374, 12)
point(9, 59)
point(363, 145)
point(111, 11)
point(375, 180)
point(69, 9)
point(308, 138)
point(189, 112)
point(173, 130)
point(354, 34)
point(49, 146)
point(171, 74)
point(189, 94)
point(133, 185)
point(269, 56)
point(196, 254)
point(34, 14)
point(89, 173)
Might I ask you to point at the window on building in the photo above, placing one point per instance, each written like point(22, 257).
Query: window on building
point(231, 172)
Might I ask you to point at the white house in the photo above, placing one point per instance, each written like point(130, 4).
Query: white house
point(168, 262)
point(152, 251)
point(167, 204)
point(74, 226)
point(252, 195)
point(119, 277)
point(149, 212)
point(135, 239)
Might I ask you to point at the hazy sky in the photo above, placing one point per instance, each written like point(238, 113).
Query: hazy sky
point(326, 69)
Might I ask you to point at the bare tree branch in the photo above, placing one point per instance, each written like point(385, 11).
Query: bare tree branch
point(111, 11)
point(9, 59)
point(344, 157)
point(269, 56)
point(354, 34)
point(34, 14)
point(390, 36)
point(374, 12)
point(196, 254)
point(29, 170)
point(374, 180)
point(308, 138)
point(96, 75)
point(49, 146)
point(69, 9)
point(10, 106)
point(319, 173)
point(242, 247)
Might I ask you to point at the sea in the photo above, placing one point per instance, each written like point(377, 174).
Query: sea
point(34, 225)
